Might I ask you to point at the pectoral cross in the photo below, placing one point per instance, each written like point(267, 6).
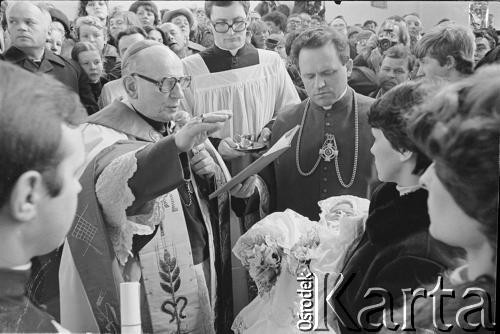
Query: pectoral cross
point(329, 149)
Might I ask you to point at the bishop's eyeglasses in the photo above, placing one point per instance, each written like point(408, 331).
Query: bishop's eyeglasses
point(167, 84)
point(223, 27)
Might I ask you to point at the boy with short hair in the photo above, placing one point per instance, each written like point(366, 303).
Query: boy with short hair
point(41, 160)
point(90, 29)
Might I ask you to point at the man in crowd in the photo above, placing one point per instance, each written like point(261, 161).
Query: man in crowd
point(293, 23)
point(395, 69)
point(28, 26)
point(330, 155)
point(251, 82)
point(446, 51)
point(114, 89)
point(42, 157)
point(339, 24)
point(184, 19)
point(370, 25)
point(484, 43)
point(176, 40)
point(153, 191)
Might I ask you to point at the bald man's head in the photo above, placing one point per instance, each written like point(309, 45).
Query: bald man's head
point(150, 56)
point(150, 72)
point(28, 24)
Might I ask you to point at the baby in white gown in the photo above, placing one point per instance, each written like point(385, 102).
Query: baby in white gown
point(284, 244)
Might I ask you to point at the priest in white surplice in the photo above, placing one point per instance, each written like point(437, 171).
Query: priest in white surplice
point(253, 83)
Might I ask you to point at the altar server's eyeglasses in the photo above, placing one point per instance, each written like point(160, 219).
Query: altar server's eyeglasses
point(167, 84)
point(223, 27)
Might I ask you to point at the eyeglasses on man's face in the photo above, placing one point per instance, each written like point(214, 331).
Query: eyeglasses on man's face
point(167, 84)
point(237, 26)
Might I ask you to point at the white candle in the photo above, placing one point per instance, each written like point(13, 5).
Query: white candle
point(130, 307)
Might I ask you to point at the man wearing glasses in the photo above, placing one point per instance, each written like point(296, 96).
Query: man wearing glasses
point(251, 82)
point(145, 202)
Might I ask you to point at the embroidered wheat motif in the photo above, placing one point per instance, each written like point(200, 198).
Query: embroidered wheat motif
point(171, 282)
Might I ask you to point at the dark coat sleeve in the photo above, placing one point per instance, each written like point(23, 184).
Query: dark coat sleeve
point(404, 266)
point(159, 171)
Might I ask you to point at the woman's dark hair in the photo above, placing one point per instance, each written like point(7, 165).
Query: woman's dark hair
point(317, 37)
point(130, 31)
point(284, 9)
point(390, 113)
point(148, 5)
point(278, 18)
point(148, 29)
point(210, 4)
point(460, 130)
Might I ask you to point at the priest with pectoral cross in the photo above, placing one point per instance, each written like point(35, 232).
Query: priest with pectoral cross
point(330, 154)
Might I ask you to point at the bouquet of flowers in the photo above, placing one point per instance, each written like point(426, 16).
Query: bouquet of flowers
point(277, 249)
point(262, 257)
point(303, 251)
point(262, 249)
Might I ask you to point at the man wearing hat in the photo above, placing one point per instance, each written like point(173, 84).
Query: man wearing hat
point(184, 19)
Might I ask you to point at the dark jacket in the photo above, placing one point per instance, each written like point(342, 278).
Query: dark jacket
point(65, 70)
point(396, 252)
point(17, 313)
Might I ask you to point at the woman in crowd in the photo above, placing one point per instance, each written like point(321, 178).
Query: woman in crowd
point(276, 22)
point(146, 11)
point(90, 29)
point(259, 32)
point(121, 20)
point(98, 8)
point(396, 251)
point(89, 58)
point(460, 130)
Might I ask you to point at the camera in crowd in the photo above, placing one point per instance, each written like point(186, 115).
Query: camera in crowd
point(387, 37)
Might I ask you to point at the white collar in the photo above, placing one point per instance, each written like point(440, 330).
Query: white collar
point(233, 51)
point(337, 100)
point(23, 267)
point(403, 190)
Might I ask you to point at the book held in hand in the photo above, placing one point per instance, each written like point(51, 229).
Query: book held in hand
point(282, 145)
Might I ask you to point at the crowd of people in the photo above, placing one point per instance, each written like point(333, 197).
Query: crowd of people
point(132, 117)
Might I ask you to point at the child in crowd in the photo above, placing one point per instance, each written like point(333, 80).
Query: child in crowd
point(55, 37)
point(396, 251)
point(89, 58)
point(90, 29)
point(119, 21)
point(146, 11)
point(258, 32)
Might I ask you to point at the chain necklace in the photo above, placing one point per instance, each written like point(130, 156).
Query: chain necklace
point(329, 149)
